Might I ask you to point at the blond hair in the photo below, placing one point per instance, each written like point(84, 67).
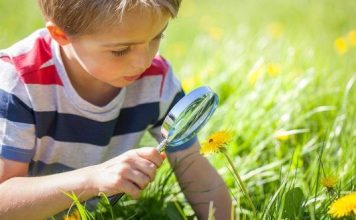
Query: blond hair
point(77, 17)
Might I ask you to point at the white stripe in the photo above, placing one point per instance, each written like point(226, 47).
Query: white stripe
point(145, 90)
point(15, 134)
point(54, 98)
point(171, 87)
point(78, 155)
point(2, 127)
point(11, 83)
point(8, 75)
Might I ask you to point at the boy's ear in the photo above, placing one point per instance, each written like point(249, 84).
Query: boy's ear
point(57, 33)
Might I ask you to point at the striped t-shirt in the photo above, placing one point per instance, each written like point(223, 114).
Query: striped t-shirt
point(44, 122)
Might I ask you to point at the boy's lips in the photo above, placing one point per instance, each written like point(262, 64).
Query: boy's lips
point(132, 78)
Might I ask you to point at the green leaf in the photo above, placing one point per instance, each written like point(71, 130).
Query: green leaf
point(293, 204)
point(174, 211)
point(84, 214)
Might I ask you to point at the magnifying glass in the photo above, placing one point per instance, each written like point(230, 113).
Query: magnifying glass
point(184, 121)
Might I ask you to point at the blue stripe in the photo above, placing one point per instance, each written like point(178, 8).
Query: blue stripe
point(137, 118)
point(13, 109)
point(40, 168)
point(17, 154)
point(74, 128)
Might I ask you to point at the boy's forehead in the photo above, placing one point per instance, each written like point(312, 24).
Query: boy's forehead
point(127, 40)
point(135, 26)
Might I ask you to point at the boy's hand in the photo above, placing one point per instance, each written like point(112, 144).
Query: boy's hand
point(130, 172)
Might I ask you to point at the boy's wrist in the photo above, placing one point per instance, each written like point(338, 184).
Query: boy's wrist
point(88, 183)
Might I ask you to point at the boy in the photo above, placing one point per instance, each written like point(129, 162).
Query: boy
point(76, 97)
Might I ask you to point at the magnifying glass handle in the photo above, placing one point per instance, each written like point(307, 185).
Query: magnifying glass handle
point(115, 198)
point(162, 146)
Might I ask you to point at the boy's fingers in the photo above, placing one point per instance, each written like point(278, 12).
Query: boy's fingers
point(147, 167)
point(163, 155)
point(130, 188)
point(150, 154)
point(138, 178)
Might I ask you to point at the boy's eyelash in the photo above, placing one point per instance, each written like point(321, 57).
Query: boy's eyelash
point(120, 53)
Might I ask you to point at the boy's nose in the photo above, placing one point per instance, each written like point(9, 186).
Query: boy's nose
point(142, 64)
point(142, 61)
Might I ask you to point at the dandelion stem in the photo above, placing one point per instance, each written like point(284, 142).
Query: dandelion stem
point(243, 188)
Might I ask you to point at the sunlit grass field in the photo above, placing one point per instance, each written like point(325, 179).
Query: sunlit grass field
point(285, 72)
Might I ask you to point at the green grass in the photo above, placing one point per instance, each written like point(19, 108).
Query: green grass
point(217, 44)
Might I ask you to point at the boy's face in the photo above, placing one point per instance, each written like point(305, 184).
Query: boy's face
point(120, 54)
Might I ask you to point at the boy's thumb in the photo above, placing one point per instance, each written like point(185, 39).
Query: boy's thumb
point(163, 155)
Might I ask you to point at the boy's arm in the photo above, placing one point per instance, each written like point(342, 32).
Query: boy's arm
point(200, 183)
point(38, 197)
point(25, 197)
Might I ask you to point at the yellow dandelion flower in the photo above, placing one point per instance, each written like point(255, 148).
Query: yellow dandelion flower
point(351, 36)
point(329, 182)
point(341, 45)
point(73, 216)
point(344, 206)
point(273, 69)
point(216, 142)
point(275, 29)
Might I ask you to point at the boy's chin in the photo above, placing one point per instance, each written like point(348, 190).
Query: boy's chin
point(123, 83)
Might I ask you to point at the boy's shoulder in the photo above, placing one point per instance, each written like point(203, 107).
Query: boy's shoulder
point(38, 41)
point(31, 57)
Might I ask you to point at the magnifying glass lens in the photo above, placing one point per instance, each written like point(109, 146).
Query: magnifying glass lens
point(188, 116)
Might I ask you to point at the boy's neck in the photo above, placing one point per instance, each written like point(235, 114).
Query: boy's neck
point(89, 88)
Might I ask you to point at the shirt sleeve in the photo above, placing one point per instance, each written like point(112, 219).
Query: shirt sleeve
point(172, 92)
point(17, 130)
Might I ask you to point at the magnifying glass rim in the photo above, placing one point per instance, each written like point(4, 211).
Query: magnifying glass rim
point(182, 104)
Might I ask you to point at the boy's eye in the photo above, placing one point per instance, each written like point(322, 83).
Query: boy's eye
point(120, 53)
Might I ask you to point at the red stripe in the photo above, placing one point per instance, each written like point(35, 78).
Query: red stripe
point(29, 64)
point(44, 76)
point(159, 66)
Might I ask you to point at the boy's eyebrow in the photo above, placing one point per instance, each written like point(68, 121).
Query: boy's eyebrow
point(132, 43)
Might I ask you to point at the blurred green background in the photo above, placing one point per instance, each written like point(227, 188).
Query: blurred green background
point(285, 72)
